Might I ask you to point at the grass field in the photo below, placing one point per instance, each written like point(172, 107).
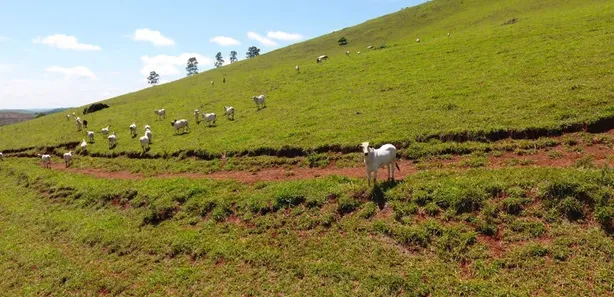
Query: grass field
point(549, 70)
point(482, 233)
point(472, 216)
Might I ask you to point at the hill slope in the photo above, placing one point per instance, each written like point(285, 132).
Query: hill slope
point(549, 68)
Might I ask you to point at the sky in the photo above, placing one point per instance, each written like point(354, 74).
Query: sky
point(71, 53)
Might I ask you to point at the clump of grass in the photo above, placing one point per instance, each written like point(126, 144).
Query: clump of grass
point(586, 162)
point(432, 209)
point(368, 210)
point(555, 154)
point(571, 208)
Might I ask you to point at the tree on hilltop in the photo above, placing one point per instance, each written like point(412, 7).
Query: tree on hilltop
point(233, 57)
point(252, 51)
point(153, 78)
point(219, 61)
point(192, 67)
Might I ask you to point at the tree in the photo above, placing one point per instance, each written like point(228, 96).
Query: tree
point(342, 41)
point(219, 61)
point(153, 78)
point(233, 57)
point(192, 67)
point(252, 51)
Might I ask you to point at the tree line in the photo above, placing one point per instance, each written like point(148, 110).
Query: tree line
point(192, 63)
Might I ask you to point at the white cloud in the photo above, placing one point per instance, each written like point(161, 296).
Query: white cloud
point(152, 36)
point(115, 73)
point(74, 72)
point(263, 40)
point(169, 66)
point(224, 40)
point(279, 35)
point(62, 41)
point(51, 93)
point(3, 38)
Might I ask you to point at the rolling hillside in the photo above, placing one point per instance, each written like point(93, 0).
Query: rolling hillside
point(507, 66)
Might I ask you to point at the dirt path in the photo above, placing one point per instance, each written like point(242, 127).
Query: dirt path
point(559, 156)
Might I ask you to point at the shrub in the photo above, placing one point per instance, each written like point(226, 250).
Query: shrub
point(368, 210)
point(221, 212)
point(512, 205)
point(402, 209)
point(432, 209)
point(533, 229)
point(95, 107)
point(605, 217)
point(347, 205)
point(287, 198)
point(486, 228)
point(536, 250)
point(571, 208)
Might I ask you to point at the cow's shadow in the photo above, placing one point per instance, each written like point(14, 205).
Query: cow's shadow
point(378, 191)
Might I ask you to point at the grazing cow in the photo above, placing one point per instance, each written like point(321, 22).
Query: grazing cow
point(209, 118)
point(79, 123)
point(197, 116)
point(161, 113)
point(322, 58)
point(259, 100)
point(112, 140)
point(67, 158)
point(298, 69)
point(347, 53)
point(376, 158)
point(180, 124)
point(90, 136)
point(230, 112)
point(46, 160)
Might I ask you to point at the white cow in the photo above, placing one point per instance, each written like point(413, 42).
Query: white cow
point(259, 100)
point(79, 123)
point(376, 158)
point(144, 140)
point(132, 128)
point(105, 131)
point(90, 136)
point(209, 118)
point(322, 58)
point(83, 146)
point(197, 115)
point(46, 160)
point(180, 124)
point(230, 112)
point(347, 53)
point(298, 69)
point(67, 158)
point(149, 135)
point(161, 113)
point(112, 140)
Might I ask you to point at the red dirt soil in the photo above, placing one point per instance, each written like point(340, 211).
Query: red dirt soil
point(542, 158)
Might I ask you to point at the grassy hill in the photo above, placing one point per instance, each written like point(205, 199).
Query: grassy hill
point(548, 69)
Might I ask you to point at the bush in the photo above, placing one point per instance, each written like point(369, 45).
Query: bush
point(571, 208)
point(605, 217)
point(512, 205)
point(286, 198)
point(95, 107)
point(533, 229)
point(402, 209)
point(486, 228)
point(536, 250)
point(432, 209)
point(368, 210)
point(347, 205)
point(221, 212)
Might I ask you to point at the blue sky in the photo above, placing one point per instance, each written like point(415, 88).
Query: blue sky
point(70, 53)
